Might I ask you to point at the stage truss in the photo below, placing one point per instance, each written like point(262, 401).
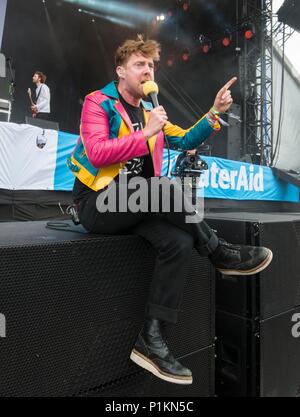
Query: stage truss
point(256, 71)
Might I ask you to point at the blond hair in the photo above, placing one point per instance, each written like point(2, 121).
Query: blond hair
point(149, 48)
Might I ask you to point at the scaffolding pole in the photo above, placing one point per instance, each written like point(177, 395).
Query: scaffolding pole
point(256, 69)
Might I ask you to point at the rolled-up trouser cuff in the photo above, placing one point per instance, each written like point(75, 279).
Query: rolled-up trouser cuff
point(162, 313)
point(209, 247)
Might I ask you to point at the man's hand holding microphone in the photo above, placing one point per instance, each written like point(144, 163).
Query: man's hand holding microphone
point(157, 119)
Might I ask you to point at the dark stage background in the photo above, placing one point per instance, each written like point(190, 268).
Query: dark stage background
point(77, 54)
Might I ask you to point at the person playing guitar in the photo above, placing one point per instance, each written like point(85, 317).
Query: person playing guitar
point(40, 108)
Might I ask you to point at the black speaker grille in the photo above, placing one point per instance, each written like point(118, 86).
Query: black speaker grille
point(197, 317)
point(144, 384)
point(279, 352)
point(74, 308)
point(56, 314)
point(257, 351)
point(297, 231)
point(280, 282)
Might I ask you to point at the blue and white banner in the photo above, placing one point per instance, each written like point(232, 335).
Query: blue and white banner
point(35, 159)
point(238, 181)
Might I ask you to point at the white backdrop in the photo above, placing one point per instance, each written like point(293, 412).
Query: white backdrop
point(289, 149)
point(23, 165)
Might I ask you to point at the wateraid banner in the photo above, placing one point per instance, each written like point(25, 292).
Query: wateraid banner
point(32, 158)
point(238, 181)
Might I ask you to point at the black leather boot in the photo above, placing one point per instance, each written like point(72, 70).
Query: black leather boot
point(152, 353)
point(240, 260)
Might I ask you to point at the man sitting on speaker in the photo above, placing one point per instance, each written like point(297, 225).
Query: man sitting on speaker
point(122, 134)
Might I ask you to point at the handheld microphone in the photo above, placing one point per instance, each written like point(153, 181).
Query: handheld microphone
point(150, 88)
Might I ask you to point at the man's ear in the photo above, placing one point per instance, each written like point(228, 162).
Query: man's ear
point(120, 71)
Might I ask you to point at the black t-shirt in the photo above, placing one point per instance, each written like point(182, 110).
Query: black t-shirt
point(140, 166)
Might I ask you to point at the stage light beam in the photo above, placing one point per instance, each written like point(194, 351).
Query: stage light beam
point(119, 9)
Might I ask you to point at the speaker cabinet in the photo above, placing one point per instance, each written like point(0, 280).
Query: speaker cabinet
point(258, 317)
point(146, 385)
point(72, 304)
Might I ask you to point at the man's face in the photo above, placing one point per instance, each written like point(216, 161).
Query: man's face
point(35, 78)
point(137, 70)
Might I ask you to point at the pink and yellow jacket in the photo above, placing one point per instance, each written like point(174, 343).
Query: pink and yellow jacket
point(107, 139)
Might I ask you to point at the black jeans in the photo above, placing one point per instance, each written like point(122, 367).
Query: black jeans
point(169, 234)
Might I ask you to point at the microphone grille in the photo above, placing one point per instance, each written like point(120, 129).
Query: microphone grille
point(150, 87)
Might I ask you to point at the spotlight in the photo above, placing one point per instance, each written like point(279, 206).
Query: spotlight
point(227, 38)
point(185, 56)
point(205, 48)
point(205, 44)
point(161, 17)
point(170, 61)
point(249, 30)
point(226, 41)
point(249, 34)
point(186, 6)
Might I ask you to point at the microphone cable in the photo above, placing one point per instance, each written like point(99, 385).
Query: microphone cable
point(169, 156)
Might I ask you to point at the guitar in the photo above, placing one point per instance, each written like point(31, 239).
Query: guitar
point(33, 112)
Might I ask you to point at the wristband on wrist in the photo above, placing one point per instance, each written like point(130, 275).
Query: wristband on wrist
point(214, 111)
point(213, 120)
